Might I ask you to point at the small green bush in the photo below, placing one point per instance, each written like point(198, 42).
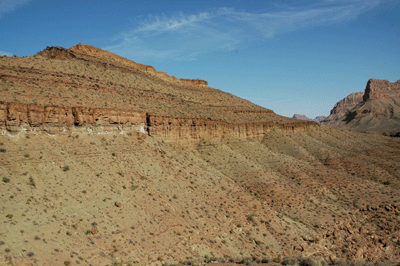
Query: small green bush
point(6, 180)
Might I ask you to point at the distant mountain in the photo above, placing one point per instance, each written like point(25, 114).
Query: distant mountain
point(377, 109)
point(318, 119)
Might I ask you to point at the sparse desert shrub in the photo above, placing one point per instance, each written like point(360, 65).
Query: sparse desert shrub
point(309, 262)
point(387, 182)
point(289, 261)
point(266, 260)
point(6, 180)
point(2, 150)
point(32, 182)
point(277, 259)
point(66, 168)
point(9, 216)
point(67, 262)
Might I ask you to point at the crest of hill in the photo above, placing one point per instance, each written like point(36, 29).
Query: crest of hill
point(377, 109)
point(107, 56)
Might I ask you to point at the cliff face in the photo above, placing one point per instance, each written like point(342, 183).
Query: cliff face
point(377, 109)
point(347, 103)
point(380, 89)
point(178, 129)
point(15, 117)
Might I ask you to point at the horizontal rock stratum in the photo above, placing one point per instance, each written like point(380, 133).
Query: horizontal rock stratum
point(15, 117)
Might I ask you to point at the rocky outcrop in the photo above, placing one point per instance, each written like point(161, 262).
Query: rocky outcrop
point(186, 129)
point(380, 89)
point(377, 109)
point(15, 117)
point(343, 106)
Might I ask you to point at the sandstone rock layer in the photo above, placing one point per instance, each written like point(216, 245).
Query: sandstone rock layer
point(15, 117)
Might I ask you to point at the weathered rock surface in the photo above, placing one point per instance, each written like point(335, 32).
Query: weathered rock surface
point(377, 109)
point(15, 117)
point(178, 129)
point(343, 106)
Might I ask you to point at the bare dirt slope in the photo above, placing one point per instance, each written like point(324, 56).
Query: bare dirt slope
point(244, 186)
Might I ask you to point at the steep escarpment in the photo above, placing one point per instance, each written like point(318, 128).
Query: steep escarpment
point(377, 109)
point(15, 117)
point(343, 106)
point(378, 89)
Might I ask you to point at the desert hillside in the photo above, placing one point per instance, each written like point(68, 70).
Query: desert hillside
point(104, 161)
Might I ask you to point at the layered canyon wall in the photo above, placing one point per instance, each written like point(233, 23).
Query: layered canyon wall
point(380, 89)
point(16, 117)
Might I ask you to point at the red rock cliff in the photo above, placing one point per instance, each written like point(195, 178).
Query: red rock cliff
point(15, 117)
point(378, 89)
point(186, 129)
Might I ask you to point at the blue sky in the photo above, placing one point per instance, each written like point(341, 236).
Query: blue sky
point(292, 56)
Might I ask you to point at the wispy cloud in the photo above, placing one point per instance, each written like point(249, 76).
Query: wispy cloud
point(5, 53)
point(11, 5)
point(186, 36)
